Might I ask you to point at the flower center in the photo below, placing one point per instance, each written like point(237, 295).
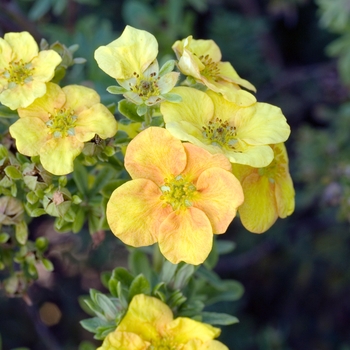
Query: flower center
point(276, 168)
point(178, 192)
point(220, 133)
point(145, 87)
point(164, 344)
point(62, 123)
point(211, 69)
point(18, 73)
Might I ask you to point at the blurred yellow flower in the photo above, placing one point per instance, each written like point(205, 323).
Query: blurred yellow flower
point(268, 192)
point(131, 60)
point(201, 59)
point(149, 324)
point(24, 71)
point(179, 195)
point(56, 125)
point(242, 134)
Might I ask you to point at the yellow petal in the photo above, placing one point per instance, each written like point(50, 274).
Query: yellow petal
point(258, 212)
point(195, 108)
point(44, 65)
point(80, 98)
point(220, 194)
point(23, 46)
point(190, 64)
point(184, 329)
point(30, 135)
point(255, 156)
point(196, 344)
point(186, 235)
point(57, 154)
point(135, 211)
point(95, 120)
point(155, 154)
point(204, 47)
point(285, 196)
point(123, 341)
point(132, 52)
point(146, 316)
point(5, 54)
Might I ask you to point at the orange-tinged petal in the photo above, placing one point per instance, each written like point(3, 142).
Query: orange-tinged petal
point(57, 154)
point(95, 120)
point(155, 154)
point(258, 212)
point(146, 316)
point(195, 107)
point(220, 194)
point(135, 211)
point(80, 98)
point(23, 46)
point(184, 329)
point(123, 341)
point(30, 135)
point(199, 159)
point(186, 235)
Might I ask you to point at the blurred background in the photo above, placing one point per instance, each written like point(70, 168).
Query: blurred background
point(296, 275)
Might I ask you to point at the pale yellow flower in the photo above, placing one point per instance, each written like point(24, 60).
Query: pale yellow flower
point(268, 192)
point(149, 324)
point(24, 71)
point(179, 196)
point(56, 125)
point(242, 134)
point(131, 60)
point(201, 59)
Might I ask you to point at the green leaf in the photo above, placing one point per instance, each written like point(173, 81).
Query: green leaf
point(141, 110)
point(47, 264)
point(32, 198)
point(116, 90)
point(122, 275)
point(168, 271)
point(139, 263)
point(80, 176)
point(225, 246)
point(215, 318)
point(39, 9)
point(91, 324)
point(41, 243)
point(102, 179)
point(172, 97)
point(13, 173)
point(183, 275)
point(108, 189)
point(21, 232)
point(6, 112)
point(4, 237)
point(109, 309)
point(140, 285)
point(129, 110)
point(79, 220)
point(167, 67)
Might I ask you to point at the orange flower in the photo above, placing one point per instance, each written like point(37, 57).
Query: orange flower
point(179, 196)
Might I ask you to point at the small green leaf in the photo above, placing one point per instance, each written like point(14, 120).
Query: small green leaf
point(167, 67)
point(168, 271)
point(129, 110)
point(41, 243)
point(139, 263)
point(79, 220)
point(140, 285)
point(91, 324)
point(47, 264)
point(21, 232)
point(4, 237)
point(116, 90)
point(172, 97)
point(182, 276)
point(80, 176)
point(107, 306)
point(215, 318)
point(32, 198)
point(122, 275)
point(141, 110)
point(13, 173)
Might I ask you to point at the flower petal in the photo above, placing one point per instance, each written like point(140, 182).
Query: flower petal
point(44, 65)
point(95, 120)
point(5, 54)
point(155, 154)
point(80, 98)
point(167, 82)
point(258, 212)
point(146, 316)
point(284, 192)
point(220, 194)
point(23, 46)
point(123, 341)
point(186, 235)
point(132, 52)
point(135, 211)
point(30, 135)
point(195, 344)
point(57, 154)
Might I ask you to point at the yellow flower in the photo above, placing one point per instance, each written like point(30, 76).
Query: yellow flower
point(149, 325)
point(179, 196)
point(201, 59)
point(24, 70)
point(56, 126)
point(131, 60)
point(208, 120)
point(268, 192)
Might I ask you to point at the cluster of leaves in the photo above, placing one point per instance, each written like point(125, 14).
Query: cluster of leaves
point(186, 289)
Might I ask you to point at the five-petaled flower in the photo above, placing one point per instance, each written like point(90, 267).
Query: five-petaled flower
point(131, 60)
point(201, 60)
point(56, 125)
point(149, 324)
point(268, 192)
point(179, 195)
point(208, 120)
point(24, 71)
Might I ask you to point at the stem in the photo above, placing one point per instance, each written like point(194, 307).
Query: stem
point(148, 117)
point(157, 258)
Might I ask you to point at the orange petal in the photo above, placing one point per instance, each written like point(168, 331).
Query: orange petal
point(220, 194)
point(135, 212)
point(123, 341)
point(186, 235)
point(155, 154)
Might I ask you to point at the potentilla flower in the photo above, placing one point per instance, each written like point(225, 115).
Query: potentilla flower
point(242, 134)
point(149, 324)
point(24, 71)
point(56, 126)
point(179, 195)
point(201, 59)
point(131, 60)
point(268, 192)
